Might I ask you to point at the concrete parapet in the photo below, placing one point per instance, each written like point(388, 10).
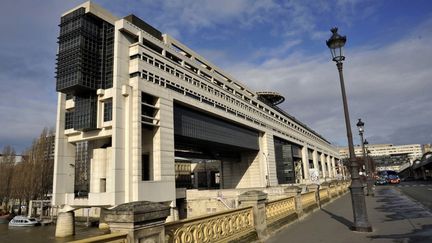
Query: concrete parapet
point(142, 220)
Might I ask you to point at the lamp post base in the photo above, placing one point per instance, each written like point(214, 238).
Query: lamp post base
point(361, 228)
point(361, 222)
point(370, 184)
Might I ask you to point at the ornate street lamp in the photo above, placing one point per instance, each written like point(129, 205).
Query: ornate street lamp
point(369, 183)
point(361, 222)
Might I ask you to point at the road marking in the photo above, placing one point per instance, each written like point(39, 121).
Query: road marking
point(430, 189)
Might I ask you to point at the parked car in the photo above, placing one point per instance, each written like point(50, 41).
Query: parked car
point(381, 181)
point(393, 179)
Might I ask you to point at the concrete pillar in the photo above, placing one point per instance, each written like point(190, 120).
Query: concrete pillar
point(305, 161)
point(65, 225)
point(269, 153)
point(323, 165)
point(143, 221)
point(30, 208)
point(329, 167)
point(315, 159)
point(333, 163)
point(256, 199)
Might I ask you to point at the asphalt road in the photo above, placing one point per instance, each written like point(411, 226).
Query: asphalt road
point(421, 191)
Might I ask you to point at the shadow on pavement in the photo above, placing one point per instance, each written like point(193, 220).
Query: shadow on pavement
point(341, 219)
point(423, 235)
point(399, 207)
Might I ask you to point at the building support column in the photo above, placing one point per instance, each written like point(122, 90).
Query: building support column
point(315, 160)
point(329, 167)
point(305, 161)
point(323, 165)
point(65, 225)
point(333, 163)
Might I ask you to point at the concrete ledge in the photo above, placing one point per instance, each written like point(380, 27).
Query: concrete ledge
point(113, 237)
point(251, 237)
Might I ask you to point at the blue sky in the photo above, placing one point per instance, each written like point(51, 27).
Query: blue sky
point(267, 45)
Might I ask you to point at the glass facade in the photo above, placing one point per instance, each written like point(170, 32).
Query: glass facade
point(284, 161)
point(85, 114)
point(196, 125)
point(107, 110)
point(84, 63)
point(69, 119)
point(82, 169)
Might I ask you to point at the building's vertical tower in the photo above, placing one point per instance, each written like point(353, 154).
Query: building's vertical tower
point(84, 68)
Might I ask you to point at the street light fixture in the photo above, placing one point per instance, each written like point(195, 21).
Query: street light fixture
point(371, 164)
point(361, 222)
point(369, 182)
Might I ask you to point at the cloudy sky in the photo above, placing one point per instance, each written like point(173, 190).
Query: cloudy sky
point(266, 44)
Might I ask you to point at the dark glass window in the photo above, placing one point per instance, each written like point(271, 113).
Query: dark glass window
point(108, 110)
point(145, 167)
point(69, 96)
point(284, 161)
point(82, 169)
point(69, 119)
point(84, 118)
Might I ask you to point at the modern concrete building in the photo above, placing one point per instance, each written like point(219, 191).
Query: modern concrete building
point(143, 117)
point(388, 156)
point(413, 151)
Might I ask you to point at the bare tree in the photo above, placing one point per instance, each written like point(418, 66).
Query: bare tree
point(41, 163)
point(32, 178)
point(7, 163)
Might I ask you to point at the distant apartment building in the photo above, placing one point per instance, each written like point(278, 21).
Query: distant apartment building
point(17, 158)
point(414, 151)
point(388, 156)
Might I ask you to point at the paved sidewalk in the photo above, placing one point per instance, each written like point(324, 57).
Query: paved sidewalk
point(393, 216)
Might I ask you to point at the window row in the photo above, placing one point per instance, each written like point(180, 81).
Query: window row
point(148, 58)
point(186, 92)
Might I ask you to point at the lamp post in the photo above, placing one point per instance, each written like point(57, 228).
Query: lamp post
point(371, 165)
point(361, 222)
point(360, 126)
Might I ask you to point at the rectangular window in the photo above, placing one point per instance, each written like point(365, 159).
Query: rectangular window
point(108, 110)
point(102, 185)
point(145, 167)
point(68, 120)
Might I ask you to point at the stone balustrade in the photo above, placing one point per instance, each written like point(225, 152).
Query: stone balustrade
point(280, 208)
point(308, 200)
point(219, 227)
point(253, 221)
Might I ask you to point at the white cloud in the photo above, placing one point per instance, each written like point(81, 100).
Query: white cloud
point(389, 87)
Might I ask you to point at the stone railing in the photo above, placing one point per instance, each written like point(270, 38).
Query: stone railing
point(333, 190)
point(324, 194)
point(308, 199)
point(254, 220)
point(219, 227)
point(279, 209)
